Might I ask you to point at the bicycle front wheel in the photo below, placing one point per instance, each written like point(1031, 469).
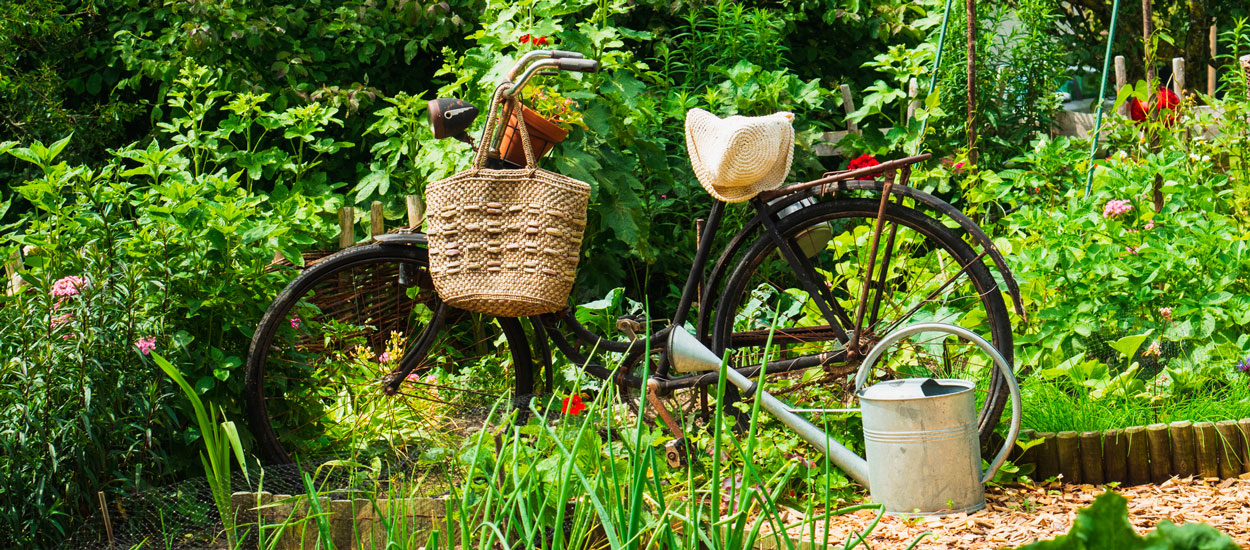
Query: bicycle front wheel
point(323, 355)
point(923, 272)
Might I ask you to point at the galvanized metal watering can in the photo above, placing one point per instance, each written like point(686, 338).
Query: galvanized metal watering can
point(920, 434)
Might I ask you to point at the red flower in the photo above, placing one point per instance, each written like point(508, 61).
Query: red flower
point(540, 41)
point(1136, 110)
point(1165, 99)
point(525, 38)
point(573, 404)
point(863, 161)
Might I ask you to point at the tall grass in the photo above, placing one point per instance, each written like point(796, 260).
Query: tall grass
point(1049, 407)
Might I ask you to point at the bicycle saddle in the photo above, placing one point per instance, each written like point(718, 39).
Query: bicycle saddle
point(451, 117)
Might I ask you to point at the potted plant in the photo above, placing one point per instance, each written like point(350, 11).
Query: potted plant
point(548, 118)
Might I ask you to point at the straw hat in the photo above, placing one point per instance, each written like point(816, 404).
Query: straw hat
point(739, 157)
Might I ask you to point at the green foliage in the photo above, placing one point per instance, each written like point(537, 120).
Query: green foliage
point(1104, 524)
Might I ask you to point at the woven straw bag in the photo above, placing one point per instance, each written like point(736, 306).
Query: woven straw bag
point(505, 242)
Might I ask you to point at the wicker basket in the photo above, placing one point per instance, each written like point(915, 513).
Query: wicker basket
point(505, 242)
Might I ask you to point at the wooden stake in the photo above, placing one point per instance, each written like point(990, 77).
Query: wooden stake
point(1178, 76)
point(1213, 42)
point(347, 226)
point(848, 105)
point(913, 91)
point(13, 276)
point(1070, 457)
point(1231, 457)
point(416, 212)
point(1160, 452)
point(1207, 443)
point(1091, 458)
point(377, 223)
point(1138, 456)
point(1121, 80)
point(1047, 457)
point(1115, 456)
point(1184, 462)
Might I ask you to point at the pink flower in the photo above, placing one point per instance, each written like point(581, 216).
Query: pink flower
point(1130, 250)
point(413, 377)
point(385, 357)
point(1166, 312)
point(67, 286)
point(1114, 208)
point(1155, 349)
point(958, 165)
point(663, 196)
point(61, 320)
point(1150, 224)
point(295, 322)
point(146, 344)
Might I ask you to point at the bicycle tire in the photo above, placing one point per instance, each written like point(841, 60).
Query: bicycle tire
point(850, 223)
point(319, 347)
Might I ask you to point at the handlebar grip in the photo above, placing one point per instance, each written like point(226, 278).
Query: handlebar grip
point(564, 54)
point(579, 65)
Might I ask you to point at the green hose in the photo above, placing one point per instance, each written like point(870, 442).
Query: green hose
point(1102, 91)
point(937, 64)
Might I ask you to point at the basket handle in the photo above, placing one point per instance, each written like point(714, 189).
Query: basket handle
point(492, 119)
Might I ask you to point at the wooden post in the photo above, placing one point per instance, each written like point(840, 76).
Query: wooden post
point(1243, 426)
point(1178, 76)
point(1207, 440)
point(377, 223)
point(1213, 42)
point(1160, 452)
point(1115, 456)
point(1069, 456)
point(13, 275)
point(1091, 458)
point(848, 105)
point(416, 211)
point(1138, 456)
point(1121, 80)
point(104, 512)
point(1183, 454)
point(913, 91)
point(347, 226)
point(1231, 457)
point(971, 9)
point(1047, 457)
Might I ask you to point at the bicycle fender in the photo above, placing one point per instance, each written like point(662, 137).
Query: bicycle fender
point(949, 211)
point(409, 239)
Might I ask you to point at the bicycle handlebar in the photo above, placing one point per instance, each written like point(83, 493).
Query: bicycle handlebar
point(563, 64)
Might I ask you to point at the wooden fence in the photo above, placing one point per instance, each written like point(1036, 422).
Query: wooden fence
point(1142, 454)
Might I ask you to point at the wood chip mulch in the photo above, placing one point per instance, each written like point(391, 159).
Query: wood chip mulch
point(1018, 515)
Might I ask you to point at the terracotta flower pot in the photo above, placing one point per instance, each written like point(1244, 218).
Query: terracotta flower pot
point(544, 135)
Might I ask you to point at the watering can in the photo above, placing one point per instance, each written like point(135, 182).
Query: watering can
point(920, 434)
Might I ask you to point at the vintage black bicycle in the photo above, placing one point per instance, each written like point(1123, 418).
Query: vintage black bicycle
point(359, 352)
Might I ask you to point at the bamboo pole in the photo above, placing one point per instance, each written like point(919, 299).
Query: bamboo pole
point(1047, 456)
point(971, 8)
point(848, 105)
point(1091, 458)
point(1160, 452)
point(1231, 457)
point(377, 222)
point(1069, 449)
point(1115, 456)
point(347, 223)
point(1184, 458)
point(1138, 456)
point(416, 211)
point(913, 91)
point(1207, 444)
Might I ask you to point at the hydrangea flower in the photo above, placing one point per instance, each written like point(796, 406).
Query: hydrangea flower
point(1114, 208)
point(146, 344)
point(863, 161)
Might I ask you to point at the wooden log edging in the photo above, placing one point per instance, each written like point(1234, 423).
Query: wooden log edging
point(1142, 454)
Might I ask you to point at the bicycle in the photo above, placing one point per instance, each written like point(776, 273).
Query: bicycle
point(836, 263)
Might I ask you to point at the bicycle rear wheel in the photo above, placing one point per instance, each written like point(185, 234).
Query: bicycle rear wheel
point(924, 272)
point(321, 358)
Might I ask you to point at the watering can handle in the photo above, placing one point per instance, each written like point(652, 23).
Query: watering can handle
point(866, 367)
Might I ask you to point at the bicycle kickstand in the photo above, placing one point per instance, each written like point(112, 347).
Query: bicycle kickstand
point(676, 452)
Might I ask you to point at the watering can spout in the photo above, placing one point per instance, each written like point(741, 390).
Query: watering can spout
point(687, 354)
